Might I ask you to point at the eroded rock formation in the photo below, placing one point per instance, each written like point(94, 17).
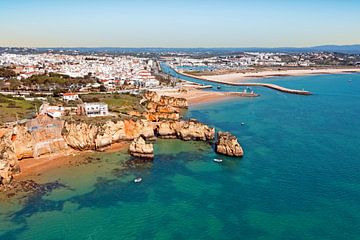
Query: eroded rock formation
point(44, 135)
point(228, 144)
point(37, 137)
point(8, 160)
point(156, 112)
point(185, 130)
point(163, 107)
point(85, 136)
point(139, 148)
point(166, 100)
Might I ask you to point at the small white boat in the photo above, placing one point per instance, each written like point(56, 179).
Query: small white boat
point(242, 123)
point(137, 180)
point(218, 160)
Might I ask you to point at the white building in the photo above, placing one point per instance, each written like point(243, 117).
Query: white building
point(93, 109)
point(52, 111)
point(70, 96)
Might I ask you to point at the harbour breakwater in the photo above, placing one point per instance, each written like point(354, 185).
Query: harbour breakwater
point(45, 136)
point(241, 84)
point(250, 84)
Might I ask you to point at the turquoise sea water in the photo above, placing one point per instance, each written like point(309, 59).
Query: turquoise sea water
point(299, 178)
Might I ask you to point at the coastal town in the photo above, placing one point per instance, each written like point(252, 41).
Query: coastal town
point(56, 103)
point(260, 62)
point(179, 119)
point(111, 72)
point(64, 83)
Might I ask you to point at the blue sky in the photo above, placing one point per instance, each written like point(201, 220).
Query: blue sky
point(173, 23)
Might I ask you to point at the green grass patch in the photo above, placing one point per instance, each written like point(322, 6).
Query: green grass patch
point(12, 108)
point(121, 103)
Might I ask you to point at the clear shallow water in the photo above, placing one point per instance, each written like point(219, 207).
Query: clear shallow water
point(299, 178)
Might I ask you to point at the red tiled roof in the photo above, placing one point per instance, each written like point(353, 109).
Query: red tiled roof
point(69, 94)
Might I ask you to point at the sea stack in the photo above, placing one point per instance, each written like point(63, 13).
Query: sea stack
point(227, 144)
point(139, 148)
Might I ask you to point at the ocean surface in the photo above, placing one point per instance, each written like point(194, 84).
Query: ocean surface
point(299, 178)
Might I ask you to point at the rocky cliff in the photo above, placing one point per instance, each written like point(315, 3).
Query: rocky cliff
point(163, 107)
point(44, 135)
point(166, 100)
point(139, 148)
point(37, 137)
point(228, 144)
point(85, 136)
point(156, 112)
point(185, 130)
point(8, 160)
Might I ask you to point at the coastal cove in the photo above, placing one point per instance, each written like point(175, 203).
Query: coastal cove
point(298, 179)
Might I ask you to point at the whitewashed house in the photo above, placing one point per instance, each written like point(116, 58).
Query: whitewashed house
point(70, 97)
point(96, 109)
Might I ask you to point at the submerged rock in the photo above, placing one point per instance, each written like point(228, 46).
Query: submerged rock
point(139, 148)
point(30, 186)
point(228, 144)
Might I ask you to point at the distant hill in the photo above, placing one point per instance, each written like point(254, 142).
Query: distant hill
point(355, 49)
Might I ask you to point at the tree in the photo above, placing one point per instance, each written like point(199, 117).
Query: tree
point(14, 84)
point(7, 73)
point(102, 88)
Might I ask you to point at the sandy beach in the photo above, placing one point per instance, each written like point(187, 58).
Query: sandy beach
point(196, 96)
point(32, 167)
point(236, 77)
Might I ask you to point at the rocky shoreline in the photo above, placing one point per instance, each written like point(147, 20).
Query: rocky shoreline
point(160, 120)
point(227, 144)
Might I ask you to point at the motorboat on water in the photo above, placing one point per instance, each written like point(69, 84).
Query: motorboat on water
point(137, 180)
point(218, 160)
point(242, 123)
point(218, 87)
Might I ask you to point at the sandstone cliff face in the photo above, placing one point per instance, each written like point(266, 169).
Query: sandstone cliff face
point(84, 136)
point(43, 135)
point(185, 130)
point(156, 112)
point(193, 130)
point(163, 107)
point(8, 160)
point(23, 142)
point(174, 102)
point(139, 148)
point(80, 136)
point(166, 100)
point(37, 137)
point(227, 144)
point(156, 117)
point(151, 96)
point(168, 129)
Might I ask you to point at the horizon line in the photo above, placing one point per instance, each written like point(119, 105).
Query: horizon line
point(153, 47)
